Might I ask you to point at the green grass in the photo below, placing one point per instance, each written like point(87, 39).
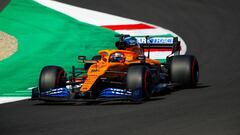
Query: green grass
point(45, 37)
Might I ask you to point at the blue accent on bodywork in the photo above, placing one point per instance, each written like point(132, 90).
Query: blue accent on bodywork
point(137, 93)
point(130, 41)
point(115, 92)
point(58, 92)
point(155, 40)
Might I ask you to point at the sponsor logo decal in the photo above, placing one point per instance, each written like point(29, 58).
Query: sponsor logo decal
point(155, 40)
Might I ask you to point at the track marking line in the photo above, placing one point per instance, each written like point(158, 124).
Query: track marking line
point(117, 23)
point(4, 100)
point(23, 91)
point(128, 26)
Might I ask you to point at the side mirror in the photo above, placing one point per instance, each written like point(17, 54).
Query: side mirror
point(82, 58)
point(141, 58)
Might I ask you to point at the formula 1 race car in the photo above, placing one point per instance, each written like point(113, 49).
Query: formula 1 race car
point(126, 73)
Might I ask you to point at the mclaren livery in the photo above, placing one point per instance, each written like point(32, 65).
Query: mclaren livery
point(126, 73)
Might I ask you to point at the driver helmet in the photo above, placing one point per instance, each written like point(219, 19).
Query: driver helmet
point(117, 57)
point(131, 41)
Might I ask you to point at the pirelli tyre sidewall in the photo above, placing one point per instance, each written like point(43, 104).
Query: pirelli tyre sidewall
point(139, 80)
point(184, 71)
point(51, 77)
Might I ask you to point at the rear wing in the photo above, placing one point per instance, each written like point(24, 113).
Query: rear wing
point(157, 41)
point(168, 45)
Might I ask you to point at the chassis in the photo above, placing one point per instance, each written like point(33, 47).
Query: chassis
point(134, 77)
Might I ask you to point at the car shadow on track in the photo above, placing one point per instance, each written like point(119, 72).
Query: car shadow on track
point(42, 103)
point(156, 97)
point(172, 90)
point(199, 86)
point(133, 103)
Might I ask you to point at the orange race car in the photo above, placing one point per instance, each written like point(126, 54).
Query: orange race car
point(126, 73)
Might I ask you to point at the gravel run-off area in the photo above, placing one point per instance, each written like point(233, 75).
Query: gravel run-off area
point(8, 45)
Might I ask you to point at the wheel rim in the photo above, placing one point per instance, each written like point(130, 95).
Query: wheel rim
point(60, 77)
point(195, 71)
point(147, 83)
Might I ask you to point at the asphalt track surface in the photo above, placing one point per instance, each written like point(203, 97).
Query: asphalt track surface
point(211, 31)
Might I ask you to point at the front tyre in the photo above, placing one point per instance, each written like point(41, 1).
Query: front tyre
point(52, 77)
point(139, 80)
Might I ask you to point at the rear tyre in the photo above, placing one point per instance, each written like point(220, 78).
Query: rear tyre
point(139, 80)
point(184, 71)
point(52, 77)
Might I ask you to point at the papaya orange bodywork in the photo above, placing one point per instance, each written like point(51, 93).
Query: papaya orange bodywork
point(102, 66)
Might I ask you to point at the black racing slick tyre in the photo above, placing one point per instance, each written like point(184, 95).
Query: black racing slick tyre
point(52, 77)
point(184, 71)
point(139, 80)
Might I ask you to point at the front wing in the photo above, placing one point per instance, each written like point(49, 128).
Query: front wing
point(108, 94)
